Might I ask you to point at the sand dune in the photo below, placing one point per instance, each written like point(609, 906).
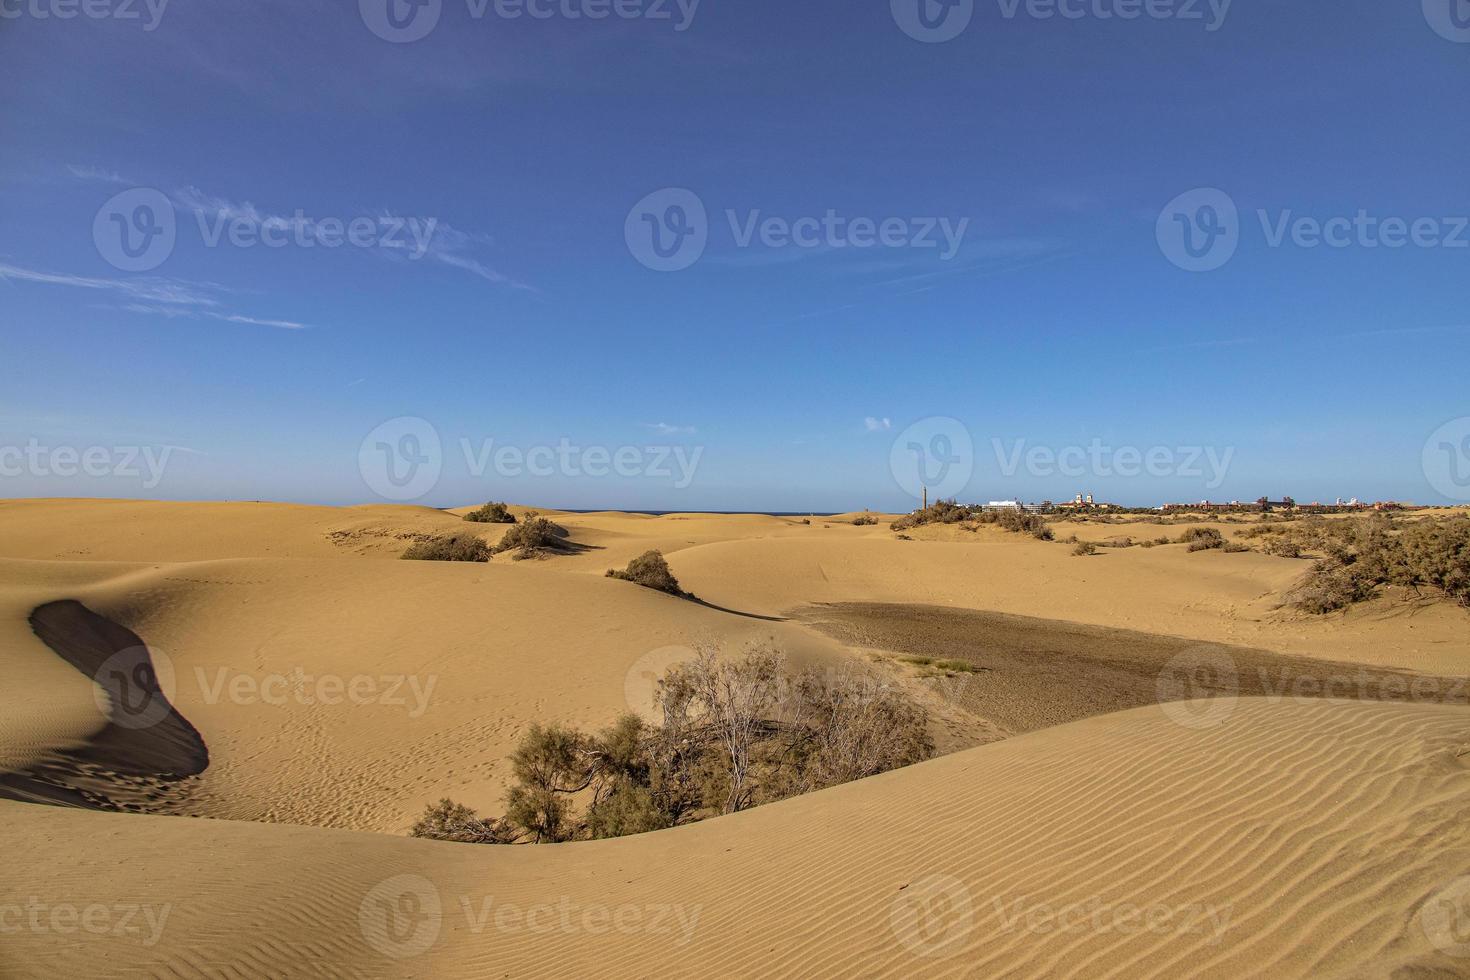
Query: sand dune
point(1294, 840)
point(337, 691)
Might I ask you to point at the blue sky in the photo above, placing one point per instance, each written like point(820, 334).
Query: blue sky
point(525, 317)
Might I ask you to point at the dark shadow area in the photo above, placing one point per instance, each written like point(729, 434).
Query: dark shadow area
point(733, 612)
point(1025, 673)
point(139, 761)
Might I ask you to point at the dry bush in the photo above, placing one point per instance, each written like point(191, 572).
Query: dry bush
point(1364, 554)
point(1084, 548)
point(1202, 539)
point(949, 512)
point(851, 726)
point(735, 733)
point(491, 513)
point(731, 700)
point(452, 821)
point(864, 519)
point(533, 536)
point(454, 547)
point(939, 512)
point(1017, 522)
point(650, 570)
point(1282, 547)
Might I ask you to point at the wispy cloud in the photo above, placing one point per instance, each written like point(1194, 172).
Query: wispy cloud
point(872, 424)
point(150, 295)
point(84, 172)
point(193, 314)
point(150, 289)
point(401, 236)
point(176, 312)
point(665, 429)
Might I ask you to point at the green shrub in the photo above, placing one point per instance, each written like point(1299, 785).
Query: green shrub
point(650, 570)
point(454, 547)
point(491, 513)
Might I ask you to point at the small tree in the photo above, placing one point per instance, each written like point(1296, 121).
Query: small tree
point(550, 765)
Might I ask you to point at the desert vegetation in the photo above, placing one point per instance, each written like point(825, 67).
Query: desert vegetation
point(491, 513)
point(865, 519)
point(650, 570)
point(973, 516)
point(450, 547)
point(734, 734)
point(533, 537)
point(1202, 539)
point(1359, 556)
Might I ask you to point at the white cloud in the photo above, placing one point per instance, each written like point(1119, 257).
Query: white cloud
point(441, 242)
point(149, 289)
point(160, 297)
point(429, 238)
point(84, 172)
point(665, 429)
point(877, 425)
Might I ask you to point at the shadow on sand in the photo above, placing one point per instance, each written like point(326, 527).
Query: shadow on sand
point(138, 761)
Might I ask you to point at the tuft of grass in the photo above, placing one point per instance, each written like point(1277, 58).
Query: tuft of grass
point(956, 666)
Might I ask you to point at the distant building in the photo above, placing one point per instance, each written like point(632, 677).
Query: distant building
point(1003, 505)
point(1083, 501)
